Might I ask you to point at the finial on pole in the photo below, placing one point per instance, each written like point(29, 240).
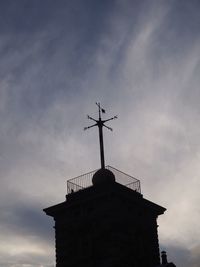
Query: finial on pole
point(100, 124)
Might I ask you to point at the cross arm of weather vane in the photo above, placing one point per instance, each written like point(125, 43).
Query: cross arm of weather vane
point(88, 127)
point(113, 118)
point(90, 118)
point(109, 128)
point(100, 122)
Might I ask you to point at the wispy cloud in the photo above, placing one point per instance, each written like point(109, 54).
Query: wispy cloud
point(141, 60)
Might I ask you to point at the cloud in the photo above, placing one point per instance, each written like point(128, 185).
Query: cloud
point(25, 237)
point(141, 60)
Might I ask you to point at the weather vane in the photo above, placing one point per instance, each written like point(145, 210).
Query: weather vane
point(100, 124)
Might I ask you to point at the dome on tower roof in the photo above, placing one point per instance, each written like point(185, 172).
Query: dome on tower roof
point(103, 176)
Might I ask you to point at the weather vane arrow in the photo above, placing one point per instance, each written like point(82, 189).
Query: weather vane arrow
point(100, 124)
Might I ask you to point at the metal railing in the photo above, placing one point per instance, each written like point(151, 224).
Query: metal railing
point(83, 181)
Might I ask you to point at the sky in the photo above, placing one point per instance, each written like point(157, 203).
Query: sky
point(141, 60)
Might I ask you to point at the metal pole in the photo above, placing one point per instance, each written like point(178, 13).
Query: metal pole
point(101, 146)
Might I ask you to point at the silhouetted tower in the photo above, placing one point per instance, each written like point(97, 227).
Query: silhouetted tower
point(105, 221)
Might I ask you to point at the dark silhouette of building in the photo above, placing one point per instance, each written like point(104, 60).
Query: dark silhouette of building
point(105, 221)
point(106, 224)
